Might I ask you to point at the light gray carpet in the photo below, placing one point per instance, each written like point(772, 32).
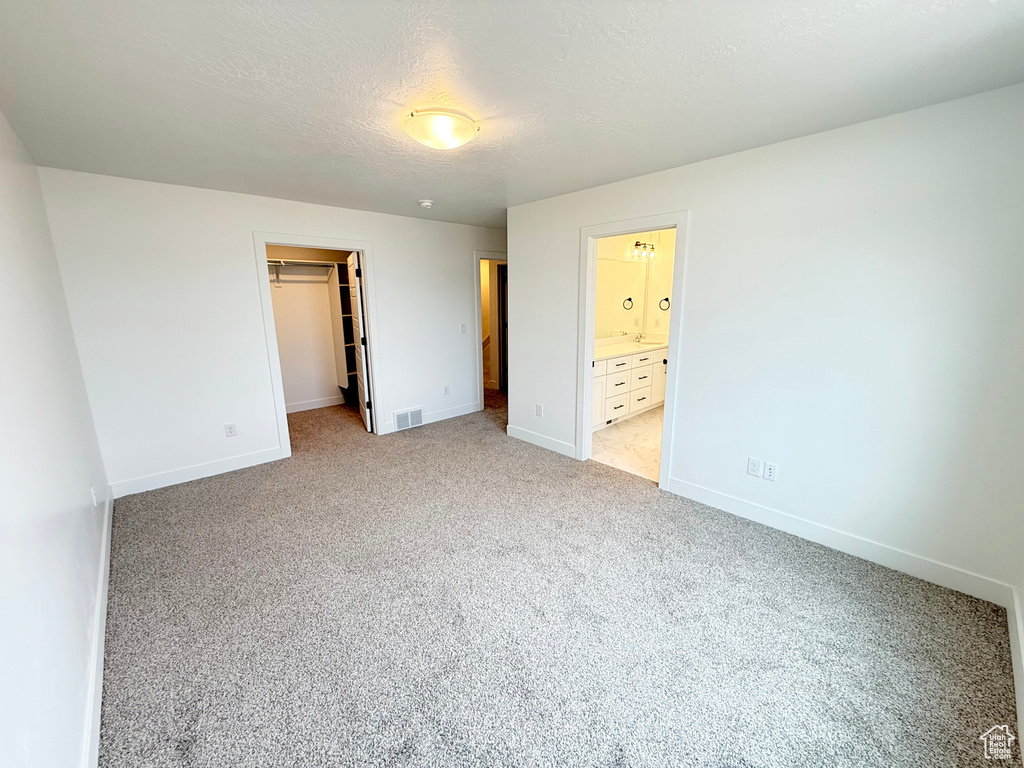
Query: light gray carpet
point(449, 596)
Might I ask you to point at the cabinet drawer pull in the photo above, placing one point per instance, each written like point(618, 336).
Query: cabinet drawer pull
point(641, 399)
point(644, 359)
point(619, 365)
point(619, 383)
point(641, 378)
point(616, 407)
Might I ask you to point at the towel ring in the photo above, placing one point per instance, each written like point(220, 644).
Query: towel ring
point(664, 304)
point(627, 301)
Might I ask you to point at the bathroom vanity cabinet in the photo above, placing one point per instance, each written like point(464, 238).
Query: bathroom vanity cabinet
point(629, 379)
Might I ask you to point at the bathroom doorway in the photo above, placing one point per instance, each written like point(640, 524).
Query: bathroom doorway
point(632, 309)
point(631, 281)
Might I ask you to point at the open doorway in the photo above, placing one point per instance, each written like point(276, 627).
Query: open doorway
point(632, 308)
point(492, 296)
point(631, 281)
point(318, 334)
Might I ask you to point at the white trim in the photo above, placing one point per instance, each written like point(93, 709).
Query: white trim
point(925, 568)
point(195, 472)
point(451, 413)
point(675, 344)
point(1015, 618)
point(679, 221)
point(309, 405)
point(929, 570)
point(479, 256)
point(558, 446)
point(260, 242)
point(94, 692)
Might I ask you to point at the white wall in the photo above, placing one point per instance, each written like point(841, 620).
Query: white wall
point(162, 284)
point(305, 339)
point(52, 538)
point(852, 313)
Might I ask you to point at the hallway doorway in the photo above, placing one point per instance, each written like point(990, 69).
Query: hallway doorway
point(492, 327)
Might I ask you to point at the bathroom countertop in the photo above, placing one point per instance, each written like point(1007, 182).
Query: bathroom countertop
point(624, 348)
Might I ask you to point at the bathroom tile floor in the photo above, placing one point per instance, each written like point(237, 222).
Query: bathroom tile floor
point(633, 445)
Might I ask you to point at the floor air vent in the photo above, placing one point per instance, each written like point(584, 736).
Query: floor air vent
point(407, 419)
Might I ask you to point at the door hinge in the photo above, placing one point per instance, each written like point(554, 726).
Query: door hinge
point(362, 340)
point(359, 272)
point(369, 405)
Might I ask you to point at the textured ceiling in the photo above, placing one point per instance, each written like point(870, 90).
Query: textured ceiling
point(303, 99)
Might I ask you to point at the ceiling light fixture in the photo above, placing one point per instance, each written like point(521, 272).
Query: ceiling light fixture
point(440, 128)
point(426, 203)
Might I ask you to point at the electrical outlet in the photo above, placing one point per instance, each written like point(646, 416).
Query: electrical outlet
point(540, 410)
point(657, 322)
point(95, 500)
point(230, 430)
point(754, 467)
point(444, 390)
point(462, 328)
point(770, 471)
point(636, 321)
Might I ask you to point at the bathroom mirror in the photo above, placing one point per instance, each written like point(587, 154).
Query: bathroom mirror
point(621, 292)
point(634, 285)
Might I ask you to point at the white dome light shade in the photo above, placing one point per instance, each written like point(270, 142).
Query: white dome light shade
point(440, 128)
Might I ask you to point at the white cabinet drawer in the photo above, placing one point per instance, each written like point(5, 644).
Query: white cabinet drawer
point(646, 358)
point(618, 384)
point(618, 364)
point(600, 368)
point(639, 399)
point(641, 377)
point(616, 407)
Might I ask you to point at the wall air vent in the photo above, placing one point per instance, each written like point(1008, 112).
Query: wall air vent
point(408, 419)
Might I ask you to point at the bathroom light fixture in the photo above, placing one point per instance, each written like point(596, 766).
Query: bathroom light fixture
point(426, 203)
point(440, 128)
point(643, 250)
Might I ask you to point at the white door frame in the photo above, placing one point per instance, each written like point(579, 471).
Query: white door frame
point(678, 221)
point(479, 256)
point(260, 242)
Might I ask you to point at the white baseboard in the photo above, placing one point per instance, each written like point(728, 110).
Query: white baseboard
point(197, 471)
point(94, 694)
point(566, 449)
point(451, 413)
point(922, 567)
point(309, 405)
point(1016, 618)
point(387, 427)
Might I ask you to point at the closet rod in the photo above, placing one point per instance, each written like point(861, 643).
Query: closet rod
point(278, 263)
point(297, 263)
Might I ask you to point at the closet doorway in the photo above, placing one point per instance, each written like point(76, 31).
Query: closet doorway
point(319, 325)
